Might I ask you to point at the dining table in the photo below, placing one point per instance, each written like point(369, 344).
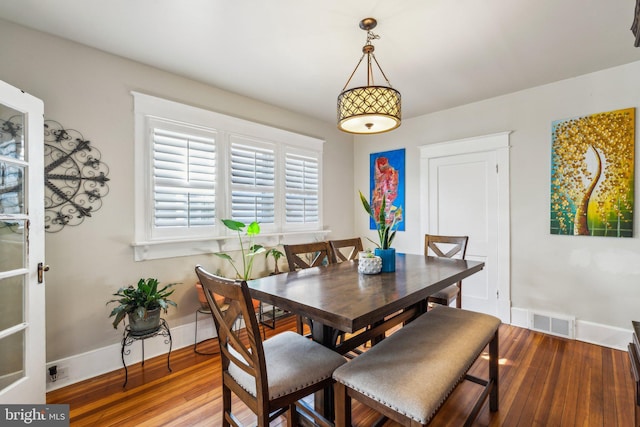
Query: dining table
point(341, 302)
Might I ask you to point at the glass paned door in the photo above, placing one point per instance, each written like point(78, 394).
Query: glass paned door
point(22, 319)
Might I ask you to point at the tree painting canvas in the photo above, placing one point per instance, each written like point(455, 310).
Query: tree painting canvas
point(592, 174)
point(386, 179)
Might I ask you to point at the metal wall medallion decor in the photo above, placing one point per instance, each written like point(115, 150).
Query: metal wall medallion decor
point(635, 27)
point(74, 177)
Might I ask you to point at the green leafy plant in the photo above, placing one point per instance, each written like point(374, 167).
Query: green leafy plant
point(141, 299)
point(386, 222)
point(276, 254)
point(248, 249)
point(367, 254)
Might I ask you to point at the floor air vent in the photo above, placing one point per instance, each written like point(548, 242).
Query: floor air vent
point(562, 326)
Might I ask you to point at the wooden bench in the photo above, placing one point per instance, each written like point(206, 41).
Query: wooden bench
point(408, 376)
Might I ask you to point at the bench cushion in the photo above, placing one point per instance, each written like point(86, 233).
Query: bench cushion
point(415, 369)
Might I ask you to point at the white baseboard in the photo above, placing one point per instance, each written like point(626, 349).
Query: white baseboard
point(520, 317)
point(593, 333)
point(607, 336)
point(107, 359)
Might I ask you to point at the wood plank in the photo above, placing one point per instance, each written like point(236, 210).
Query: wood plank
point(515, 401)
point(572, 396)
point(522, 402)
point(622, 382)
point(563, 384)
point(544, 380)
point(547, 381)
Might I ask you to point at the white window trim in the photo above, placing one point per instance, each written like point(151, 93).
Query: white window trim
point(145, 246)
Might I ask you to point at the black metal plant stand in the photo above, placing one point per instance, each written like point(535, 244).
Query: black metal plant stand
point(195, 346)
point(269, 314)
point(130, 336)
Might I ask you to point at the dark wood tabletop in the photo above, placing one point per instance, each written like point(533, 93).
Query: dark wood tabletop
point(339, 297)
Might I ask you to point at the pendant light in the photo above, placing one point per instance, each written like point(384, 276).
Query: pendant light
point(369, 109)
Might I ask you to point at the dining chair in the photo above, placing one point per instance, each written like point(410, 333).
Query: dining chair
point(307, 255)
point(271, 376)
point(345, 249)
point(447, 247)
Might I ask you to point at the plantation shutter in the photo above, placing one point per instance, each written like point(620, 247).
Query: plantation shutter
point(252, 183)
point(194, 167)
point(184, 178)
point(301, 188)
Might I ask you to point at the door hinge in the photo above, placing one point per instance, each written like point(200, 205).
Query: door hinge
point(498, 294)
point(496, 168)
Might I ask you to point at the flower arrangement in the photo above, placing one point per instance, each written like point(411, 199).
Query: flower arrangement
point(386, 221)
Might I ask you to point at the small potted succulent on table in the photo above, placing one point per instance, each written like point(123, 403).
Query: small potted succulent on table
point(368, 263)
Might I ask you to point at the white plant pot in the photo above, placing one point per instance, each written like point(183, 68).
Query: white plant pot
point(371, 265)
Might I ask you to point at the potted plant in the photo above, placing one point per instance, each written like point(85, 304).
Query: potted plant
point(386, 221)
point(276, 254)
point(369, 263)
point(248, 249)
point(142, 304)
point(204, 304)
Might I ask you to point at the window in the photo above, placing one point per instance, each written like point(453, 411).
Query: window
point(184, 178)
point(253, 182)
point(302, 187)
point(195, 167)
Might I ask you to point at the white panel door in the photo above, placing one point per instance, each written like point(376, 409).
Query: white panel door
point(22, 318)
point(468, 210)
point(464, 188)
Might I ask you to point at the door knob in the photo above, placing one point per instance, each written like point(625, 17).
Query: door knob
point(41, 269)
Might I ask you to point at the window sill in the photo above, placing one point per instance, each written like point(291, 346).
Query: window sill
point(144, 251)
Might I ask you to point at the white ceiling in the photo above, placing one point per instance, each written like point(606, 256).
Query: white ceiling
point(298, 54)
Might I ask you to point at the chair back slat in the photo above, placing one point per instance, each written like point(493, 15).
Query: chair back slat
point(345, 249)
point(307, 255)
point(245, 352)
point(445, 246)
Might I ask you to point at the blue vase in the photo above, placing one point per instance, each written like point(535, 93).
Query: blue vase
point(388, 259)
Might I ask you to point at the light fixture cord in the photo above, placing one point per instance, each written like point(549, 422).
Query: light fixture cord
point(352, 73)
point(368, 52)
point(382, 72)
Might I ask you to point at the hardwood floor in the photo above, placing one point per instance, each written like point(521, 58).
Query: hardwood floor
point(544, 381)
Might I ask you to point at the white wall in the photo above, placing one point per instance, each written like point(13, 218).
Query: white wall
point(89, 90)
point(595, 279)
